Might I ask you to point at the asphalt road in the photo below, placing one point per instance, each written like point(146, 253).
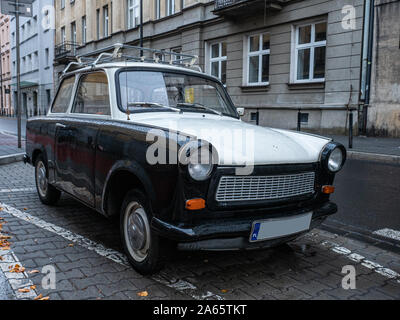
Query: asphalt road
point(367, 194)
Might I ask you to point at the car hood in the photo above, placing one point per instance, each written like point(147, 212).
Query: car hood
point(240, 143)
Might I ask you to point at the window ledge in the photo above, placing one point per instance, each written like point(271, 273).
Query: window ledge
point(306, 85)
point(262, 88)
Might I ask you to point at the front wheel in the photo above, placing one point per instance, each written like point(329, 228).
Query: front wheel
point(145, 251)
point(47, 193)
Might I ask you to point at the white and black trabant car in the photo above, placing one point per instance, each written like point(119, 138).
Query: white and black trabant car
point(162, 147)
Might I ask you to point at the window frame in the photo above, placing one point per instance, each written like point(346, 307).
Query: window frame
point(50, 112)
point(135, 8)
point(210, 60)
point(78, 81)
point(312, 45)
point(260, 53)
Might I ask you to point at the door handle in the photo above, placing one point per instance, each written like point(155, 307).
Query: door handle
point(60, 125)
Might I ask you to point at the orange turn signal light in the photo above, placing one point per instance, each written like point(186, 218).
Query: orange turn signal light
point(195, 204)
point(328, 189)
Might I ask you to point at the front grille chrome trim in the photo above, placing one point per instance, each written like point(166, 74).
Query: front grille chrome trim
point(258, 188)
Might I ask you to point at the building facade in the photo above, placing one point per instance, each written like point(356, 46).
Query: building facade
point(384, 108)
point(276, 57)
point(36, 63)
point(5, 67)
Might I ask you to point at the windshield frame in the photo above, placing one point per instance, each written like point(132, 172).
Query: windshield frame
point(227, 99)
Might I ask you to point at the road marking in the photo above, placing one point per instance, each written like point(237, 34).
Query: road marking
point(17, 280)
point(388, 233)
point(17, 190)
point(376, 267)
point(179, 285)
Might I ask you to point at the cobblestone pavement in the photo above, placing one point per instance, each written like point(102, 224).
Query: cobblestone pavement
point(85, 250)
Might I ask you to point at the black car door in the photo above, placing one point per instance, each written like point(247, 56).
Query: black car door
point(91, 106)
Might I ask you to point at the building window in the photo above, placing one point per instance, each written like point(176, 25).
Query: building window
point(47, 55)
point(98, 23)
point(63, 35)
point(170, 7)
point(73, 32)
point(105, 22)
point(158, 9)
point(308, 61)
point(84, 30)
point(218, 60)
point(133, 13)
point(257, 62)
point(62, 4)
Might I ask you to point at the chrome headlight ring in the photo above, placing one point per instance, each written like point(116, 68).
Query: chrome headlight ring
point(199, 159)
point(333, 157)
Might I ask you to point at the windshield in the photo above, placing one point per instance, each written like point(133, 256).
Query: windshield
point(155, 90)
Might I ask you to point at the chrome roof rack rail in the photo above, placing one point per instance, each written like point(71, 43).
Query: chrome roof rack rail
point(123, 52)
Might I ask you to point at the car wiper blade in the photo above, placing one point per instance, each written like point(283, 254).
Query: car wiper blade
point(199, 106)
point(152, 104)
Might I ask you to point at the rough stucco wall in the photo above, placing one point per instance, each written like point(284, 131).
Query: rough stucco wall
point(384, 112)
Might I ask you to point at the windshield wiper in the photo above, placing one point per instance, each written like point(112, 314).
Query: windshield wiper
point(199, 106)
point(152, 104)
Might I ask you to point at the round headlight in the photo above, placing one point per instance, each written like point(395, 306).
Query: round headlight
point(199, 159)
point(200, 172)
point(335, 160)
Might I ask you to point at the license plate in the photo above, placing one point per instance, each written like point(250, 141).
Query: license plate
point(281, 227)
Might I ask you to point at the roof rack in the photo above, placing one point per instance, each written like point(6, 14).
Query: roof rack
point(126, 53)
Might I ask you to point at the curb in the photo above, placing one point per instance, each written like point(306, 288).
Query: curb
point(375, 157)
point(12, 158)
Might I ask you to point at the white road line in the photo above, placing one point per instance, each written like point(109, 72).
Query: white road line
point(355, 257)
point(17, 190)
point(17, 280)
point(388, 233)
point(163, 278)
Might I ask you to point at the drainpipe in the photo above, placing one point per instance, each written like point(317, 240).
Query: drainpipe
point(367, 55)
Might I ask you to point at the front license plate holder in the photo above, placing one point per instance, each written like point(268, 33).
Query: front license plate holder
point(280, 227)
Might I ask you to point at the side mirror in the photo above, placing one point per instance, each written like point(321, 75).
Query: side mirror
point(240, 111)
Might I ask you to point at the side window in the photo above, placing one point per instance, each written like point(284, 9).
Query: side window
point(61, 103)
point(92, 96)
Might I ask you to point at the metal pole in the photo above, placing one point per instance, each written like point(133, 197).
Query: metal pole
point(141, 23)
point(18, 75)
point(1, 81)
point(351, 130)
point(299, 120)
point(141, 27)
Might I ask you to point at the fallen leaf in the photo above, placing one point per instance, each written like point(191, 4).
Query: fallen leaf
point(1, 209)
point(5, 237)
point(71, 245)
point(17, 269)
point(24, 290)
point(33, 287)
point(224, 291)
point(5, 248)
point(143, 294)
point(45, 299)
point(40, 296)
point(25, 209)
point(1, 258)
point(34, 271)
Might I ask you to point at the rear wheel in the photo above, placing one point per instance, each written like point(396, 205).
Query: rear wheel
point(145, 250)
point(47, 193)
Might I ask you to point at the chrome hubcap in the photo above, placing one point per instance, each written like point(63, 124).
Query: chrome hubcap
point(137, 231)
point(41, 178)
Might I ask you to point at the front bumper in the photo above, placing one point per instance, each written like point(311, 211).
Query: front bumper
point(232, 233)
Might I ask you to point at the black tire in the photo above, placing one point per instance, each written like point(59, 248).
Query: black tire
point(146, 252)
point(47, 193)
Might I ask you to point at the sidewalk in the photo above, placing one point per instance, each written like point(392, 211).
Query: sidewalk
point(383, 146)
point(9, 151)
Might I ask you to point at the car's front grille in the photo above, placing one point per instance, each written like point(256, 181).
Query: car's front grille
point(255, 188)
